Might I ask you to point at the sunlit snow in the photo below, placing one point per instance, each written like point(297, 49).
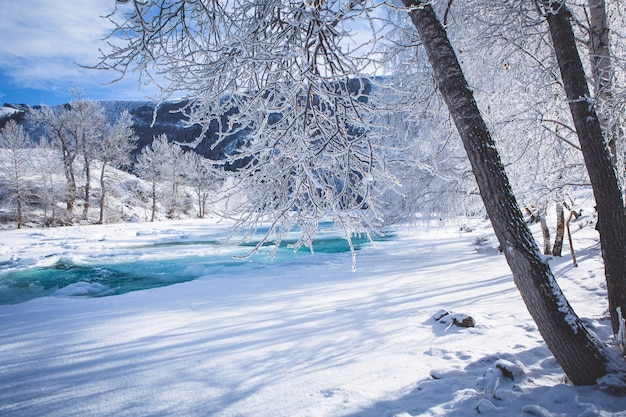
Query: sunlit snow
point(300, 335)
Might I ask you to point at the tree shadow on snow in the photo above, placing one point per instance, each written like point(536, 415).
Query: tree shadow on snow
point(527, 383)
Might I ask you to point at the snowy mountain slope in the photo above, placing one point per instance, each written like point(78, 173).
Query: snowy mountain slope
point(168, 121)
point(5, 112)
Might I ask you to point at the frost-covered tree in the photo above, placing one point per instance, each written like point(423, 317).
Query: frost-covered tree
point(150, 166)
point(603, 69)
point(162, 164)
point(583, 357)
point(78, 130)
point(293, 76)
point(506, 42)
point(509, 62)
point(201, 177)
point(427, 158)
point(85, 124)
point(15, 165)
point(55, 122)
point(173, 175)
point(598, 159)
point(49, 166)
point(114, 151)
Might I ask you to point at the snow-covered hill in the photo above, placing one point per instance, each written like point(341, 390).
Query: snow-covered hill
point(168, 121)
point(5, 112)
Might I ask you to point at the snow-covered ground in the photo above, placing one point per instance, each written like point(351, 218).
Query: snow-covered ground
point(5, 111)
point(294, 337)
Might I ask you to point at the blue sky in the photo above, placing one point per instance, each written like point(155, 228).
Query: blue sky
point(43, 41)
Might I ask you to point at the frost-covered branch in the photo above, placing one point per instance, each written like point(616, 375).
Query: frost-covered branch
point(295, 77)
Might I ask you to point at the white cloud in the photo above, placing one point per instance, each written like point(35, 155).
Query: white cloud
point(43, 42)
point(62, 28)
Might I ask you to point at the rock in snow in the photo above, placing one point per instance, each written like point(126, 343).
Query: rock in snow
point(454, 319)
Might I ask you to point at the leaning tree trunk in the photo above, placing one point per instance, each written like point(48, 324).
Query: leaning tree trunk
point(580, 354)
point(598, 160)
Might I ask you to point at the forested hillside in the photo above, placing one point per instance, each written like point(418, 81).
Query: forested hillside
point(87, 161)
point(147, 124)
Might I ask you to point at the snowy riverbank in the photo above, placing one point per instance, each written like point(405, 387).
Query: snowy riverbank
point(302, 336)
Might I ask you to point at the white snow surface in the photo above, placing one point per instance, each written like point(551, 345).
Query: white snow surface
point(6, 111)
point(305, 337)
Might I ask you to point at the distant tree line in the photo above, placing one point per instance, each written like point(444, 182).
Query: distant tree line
point(66, 175)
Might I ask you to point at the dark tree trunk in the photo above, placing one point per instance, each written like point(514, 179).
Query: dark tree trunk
point(71, 189)
point(560, 231)
point(68, 153)
point(68, 164)
point(606, 188)
point(581, 355)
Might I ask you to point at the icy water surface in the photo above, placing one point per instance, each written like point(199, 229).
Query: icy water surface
point(149, 266)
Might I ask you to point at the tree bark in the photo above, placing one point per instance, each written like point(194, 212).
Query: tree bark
point(68, 154)
point(545, 232)
point(580, 354)
point(154, 200)
point(601, 70)
point(56, 123)
point(71, 186)
point(17, 184)
point(598, 159)
point(87, 170)
point(560, 231)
